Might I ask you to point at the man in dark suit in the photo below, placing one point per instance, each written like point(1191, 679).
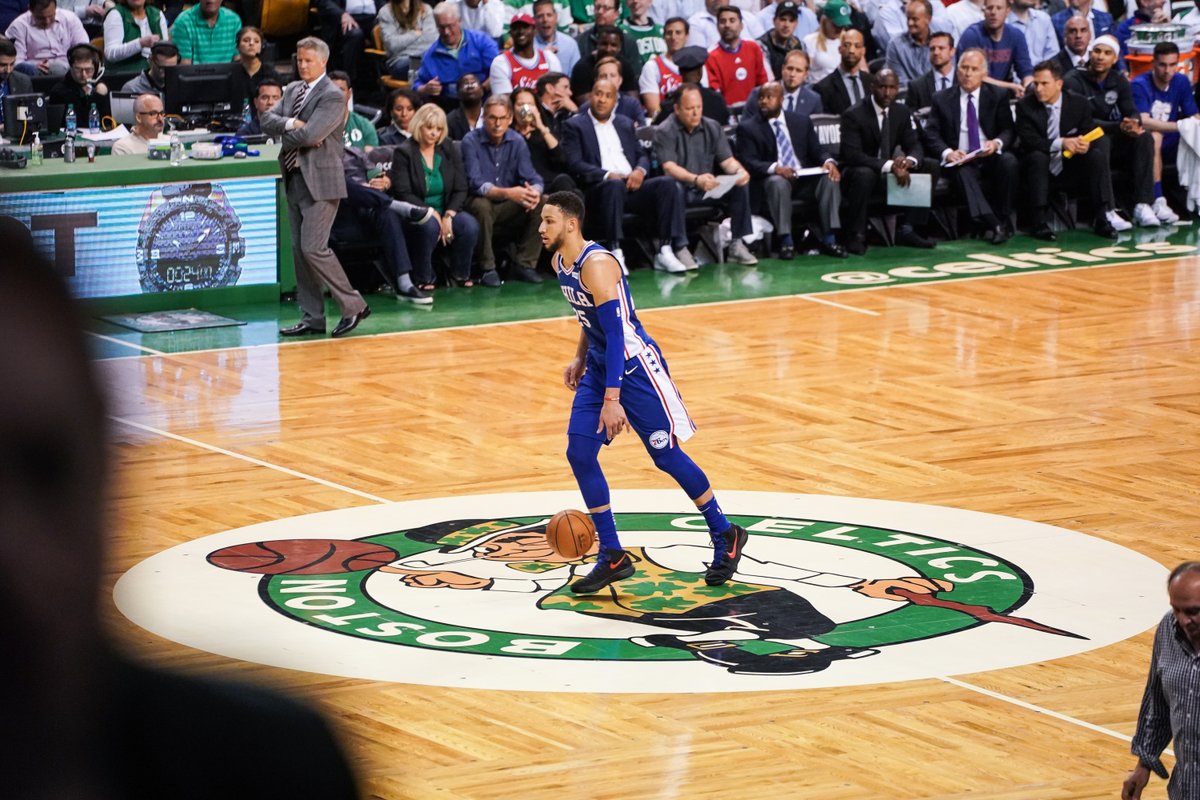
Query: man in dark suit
point(797, 98)
point(941, 74)
point(308, 121)
point(880, 138)
point(606, 159)
point(1050, 124)
point(772, 145)
point(975, 118)
point(850, 82)
point(1077, 36)
point(11, 81)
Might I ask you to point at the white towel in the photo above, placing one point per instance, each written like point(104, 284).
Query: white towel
point(1188, 160)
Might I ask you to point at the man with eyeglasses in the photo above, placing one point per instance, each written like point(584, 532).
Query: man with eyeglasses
point(457, 51)
point(148, 111)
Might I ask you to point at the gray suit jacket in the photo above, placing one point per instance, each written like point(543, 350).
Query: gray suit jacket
point(319, 141)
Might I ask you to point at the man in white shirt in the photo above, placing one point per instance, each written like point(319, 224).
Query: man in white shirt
point(611, 167)
point(963, 15)
point(487, 16)
point(148, 111)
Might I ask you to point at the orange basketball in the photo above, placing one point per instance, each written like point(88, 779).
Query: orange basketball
point(571, 533)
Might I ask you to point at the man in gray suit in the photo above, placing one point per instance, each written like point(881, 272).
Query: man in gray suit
point(11, 81)
point(309, 121)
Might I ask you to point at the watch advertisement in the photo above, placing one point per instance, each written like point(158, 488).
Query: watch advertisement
point(150, 239)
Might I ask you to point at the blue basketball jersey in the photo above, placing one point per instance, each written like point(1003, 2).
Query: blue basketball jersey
point(582, 301)
point(652, 402)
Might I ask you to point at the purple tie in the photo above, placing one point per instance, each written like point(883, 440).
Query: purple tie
point(972, 125)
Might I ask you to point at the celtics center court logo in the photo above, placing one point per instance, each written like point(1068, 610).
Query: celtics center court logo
point(465, 592)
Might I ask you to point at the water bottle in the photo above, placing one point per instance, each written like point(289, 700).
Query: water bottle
point(35, 150)
point(69, 149)
point(70, 120)
point(93, 120)
point(176, 150)
point(246, 116)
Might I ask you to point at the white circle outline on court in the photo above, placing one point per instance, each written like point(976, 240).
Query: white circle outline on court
point(1090, 586)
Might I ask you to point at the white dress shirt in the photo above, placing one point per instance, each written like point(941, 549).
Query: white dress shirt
point(612, 155)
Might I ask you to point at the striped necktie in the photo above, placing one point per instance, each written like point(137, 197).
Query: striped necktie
point(787, 156)
point(291, 158)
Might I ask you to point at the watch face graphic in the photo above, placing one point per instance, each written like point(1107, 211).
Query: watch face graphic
point(189, 238)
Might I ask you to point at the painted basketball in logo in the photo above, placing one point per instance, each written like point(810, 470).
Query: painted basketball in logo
point(859, 591)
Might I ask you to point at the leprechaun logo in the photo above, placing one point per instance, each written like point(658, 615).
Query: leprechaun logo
point(830, 591)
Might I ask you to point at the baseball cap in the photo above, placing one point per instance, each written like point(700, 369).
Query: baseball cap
point(524, 19)
point(692, 57)
point(839, 12)
point(787, 8)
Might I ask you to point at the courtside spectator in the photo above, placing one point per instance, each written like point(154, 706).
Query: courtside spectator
point(402, 105)
point(253, 69)
point(407, 30)
point(1163, 97)
point(660, 75)
point(690, 61)
point(1040, 37)
point(268, 92)
point(823, 45)
point(545, 149)
point(131, 29)
point(780, 39)
point(457, 52)
point(608, 14)
point(486, 16)
point(963, 15)
point(1099, 22)
point(1148, 12)
point(206, 33)
point(609, 68)
point(736, 65)
point(806, 18)
point(506, 193)
point(1077, 36)
point(149, 115)
point(549, 38)
point(522, 65)
point(42, 36)
point(645, 33)
point(610, 42)
point(468, 115)
point(554, 101)
point(908, 53)
point(1009, 66)
point(358, 132)
point(891, 21)
point(346, 26)
point(153, 78)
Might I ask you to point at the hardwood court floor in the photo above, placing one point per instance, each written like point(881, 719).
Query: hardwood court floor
point(1068, 398)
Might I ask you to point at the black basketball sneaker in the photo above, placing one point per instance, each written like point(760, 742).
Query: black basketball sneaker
point(611, 566)
point(727, 552)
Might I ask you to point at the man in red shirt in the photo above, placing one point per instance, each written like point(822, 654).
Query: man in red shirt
point(736, 65)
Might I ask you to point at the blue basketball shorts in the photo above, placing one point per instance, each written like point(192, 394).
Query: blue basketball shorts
point(650, 398)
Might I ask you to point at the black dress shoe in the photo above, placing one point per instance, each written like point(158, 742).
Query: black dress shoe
point(349, 323)
point(911, 238)
point(832, 249)
point(856, 246)
point(999, 234)
point(1044, 232)
point(524, 274)
point(301, 329)
point(787, 252)
point(1104, 228)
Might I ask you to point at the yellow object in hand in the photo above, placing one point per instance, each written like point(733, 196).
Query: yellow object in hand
point(1089, 137)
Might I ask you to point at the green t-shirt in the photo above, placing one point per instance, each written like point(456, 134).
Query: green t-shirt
point(648, 38)
point(359, 132)
point(202, 44)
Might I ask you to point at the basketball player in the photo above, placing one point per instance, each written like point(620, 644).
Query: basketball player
point(620, 378)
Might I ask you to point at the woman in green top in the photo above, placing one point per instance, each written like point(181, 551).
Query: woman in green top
point(131, 28)
point(427, 170)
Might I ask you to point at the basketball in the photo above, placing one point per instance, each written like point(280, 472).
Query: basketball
point(571, 533)
point(302, 556)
